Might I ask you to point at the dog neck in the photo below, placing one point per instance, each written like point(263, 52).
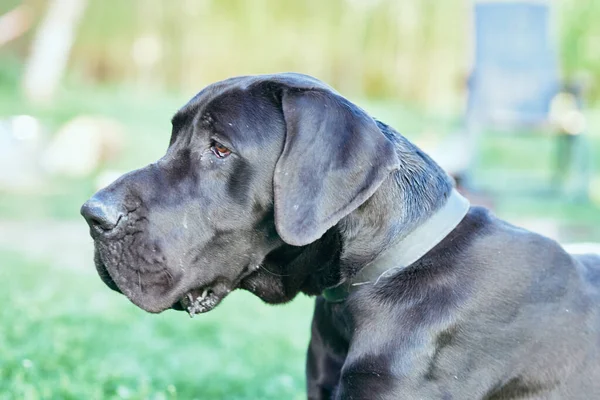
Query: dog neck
point(406, 251)
point(406, 200)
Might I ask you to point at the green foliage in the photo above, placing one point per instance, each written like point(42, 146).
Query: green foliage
point(67, 336)
point(416, 50)
point(579, 40)
point(374, 48)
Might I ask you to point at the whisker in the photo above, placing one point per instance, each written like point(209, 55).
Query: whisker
point(271, 272)
point(169, 276)
point(140, 282)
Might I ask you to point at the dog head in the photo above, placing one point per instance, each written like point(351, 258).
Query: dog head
point(254, 164)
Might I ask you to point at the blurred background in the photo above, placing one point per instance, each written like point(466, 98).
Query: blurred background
point(505, 95)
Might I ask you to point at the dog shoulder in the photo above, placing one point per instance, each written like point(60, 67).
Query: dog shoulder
point(502, 237)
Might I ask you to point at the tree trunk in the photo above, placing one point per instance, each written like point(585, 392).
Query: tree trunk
point(50, 49)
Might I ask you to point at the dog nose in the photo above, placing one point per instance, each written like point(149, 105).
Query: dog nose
point(101, 213)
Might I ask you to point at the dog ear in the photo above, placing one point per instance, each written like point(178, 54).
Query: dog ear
point(334, 158)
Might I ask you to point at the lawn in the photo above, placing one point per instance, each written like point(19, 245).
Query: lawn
point(66, 336)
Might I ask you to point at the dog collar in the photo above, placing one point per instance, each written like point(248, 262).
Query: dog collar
point(410, 249)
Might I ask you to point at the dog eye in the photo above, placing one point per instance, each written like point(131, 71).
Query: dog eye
point(219, 150)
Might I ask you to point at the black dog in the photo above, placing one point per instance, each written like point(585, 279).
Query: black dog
point(278, 185)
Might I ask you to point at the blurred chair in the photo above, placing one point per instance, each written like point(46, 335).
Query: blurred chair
point(515, 87)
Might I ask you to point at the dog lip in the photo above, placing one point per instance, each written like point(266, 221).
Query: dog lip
point(105, 276)
point(144, 300)
point(180, 296)
point(200, 300)
point(207, 296)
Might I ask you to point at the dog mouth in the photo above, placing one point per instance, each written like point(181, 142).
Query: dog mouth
point(177, 293)
point(195, 301)
point(207, 297)
point(201, 300)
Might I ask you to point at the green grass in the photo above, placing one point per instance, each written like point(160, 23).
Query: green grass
point(66, 336)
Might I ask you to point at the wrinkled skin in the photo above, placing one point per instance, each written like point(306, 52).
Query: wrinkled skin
point(192, 220)
point(314, 190)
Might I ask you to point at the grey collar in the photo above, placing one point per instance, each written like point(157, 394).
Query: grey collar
point(414, 246)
